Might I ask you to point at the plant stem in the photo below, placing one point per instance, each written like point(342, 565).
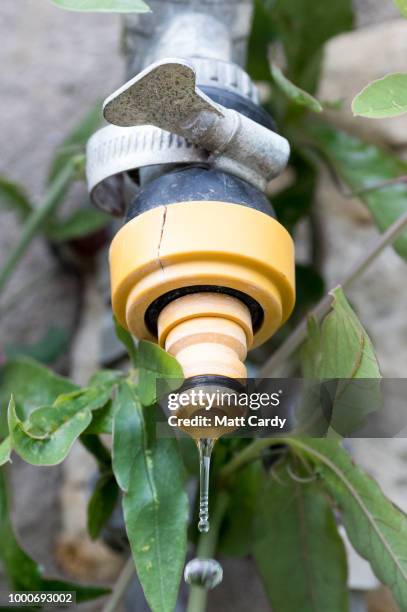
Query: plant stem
point(36, 219)
point(247, 454)
point(297, 337)
point(120, 587)
point(206, 549)
point(357, 193)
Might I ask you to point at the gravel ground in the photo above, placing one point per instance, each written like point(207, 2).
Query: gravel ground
point(55, 66)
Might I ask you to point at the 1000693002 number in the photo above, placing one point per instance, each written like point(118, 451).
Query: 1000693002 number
point(51, 598)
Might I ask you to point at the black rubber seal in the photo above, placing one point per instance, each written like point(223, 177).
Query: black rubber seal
point(153, 311)
point(195, 184)
point(206, 380)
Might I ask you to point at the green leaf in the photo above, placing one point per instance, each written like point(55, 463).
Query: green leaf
point(75, 141)
point(340, 347)
point(22, 572)
point(304, 27)
point(51, 448)
point(190, 457)
point(106, 6)
point(105, 378)
point(31, 384)
point(127, 433)
point(13, 197)
point(106, 493)
point(295, 521)
point(80, 223)
point(364, 166)
point(46, 350)
point(375, 527)
point(102, 421)
point(154, 363)
point(47, 436)
point(236, 537)
point(402, 6)
point(386, 97)
point(294, 93)
point(102, 503)
point(44, 421)
point(5, 451)
point(156, 513)
point(262, 34)
point(127, 340)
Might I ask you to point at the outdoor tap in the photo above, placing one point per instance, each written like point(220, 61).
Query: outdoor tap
point(202, 266)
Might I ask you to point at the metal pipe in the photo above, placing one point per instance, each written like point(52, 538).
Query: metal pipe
point(188, 28)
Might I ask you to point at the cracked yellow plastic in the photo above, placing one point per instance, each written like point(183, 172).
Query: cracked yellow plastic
point(202, 243)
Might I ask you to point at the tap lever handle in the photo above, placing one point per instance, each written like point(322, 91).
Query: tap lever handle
point(164, 95)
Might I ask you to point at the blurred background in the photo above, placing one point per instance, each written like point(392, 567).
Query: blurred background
point(55, 66)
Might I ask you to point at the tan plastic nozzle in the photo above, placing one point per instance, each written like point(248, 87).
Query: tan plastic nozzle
point(208, 333)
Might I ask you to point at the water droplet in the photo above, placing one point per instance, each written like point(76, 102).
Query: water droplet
point(205, 446)
point(207, 573)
